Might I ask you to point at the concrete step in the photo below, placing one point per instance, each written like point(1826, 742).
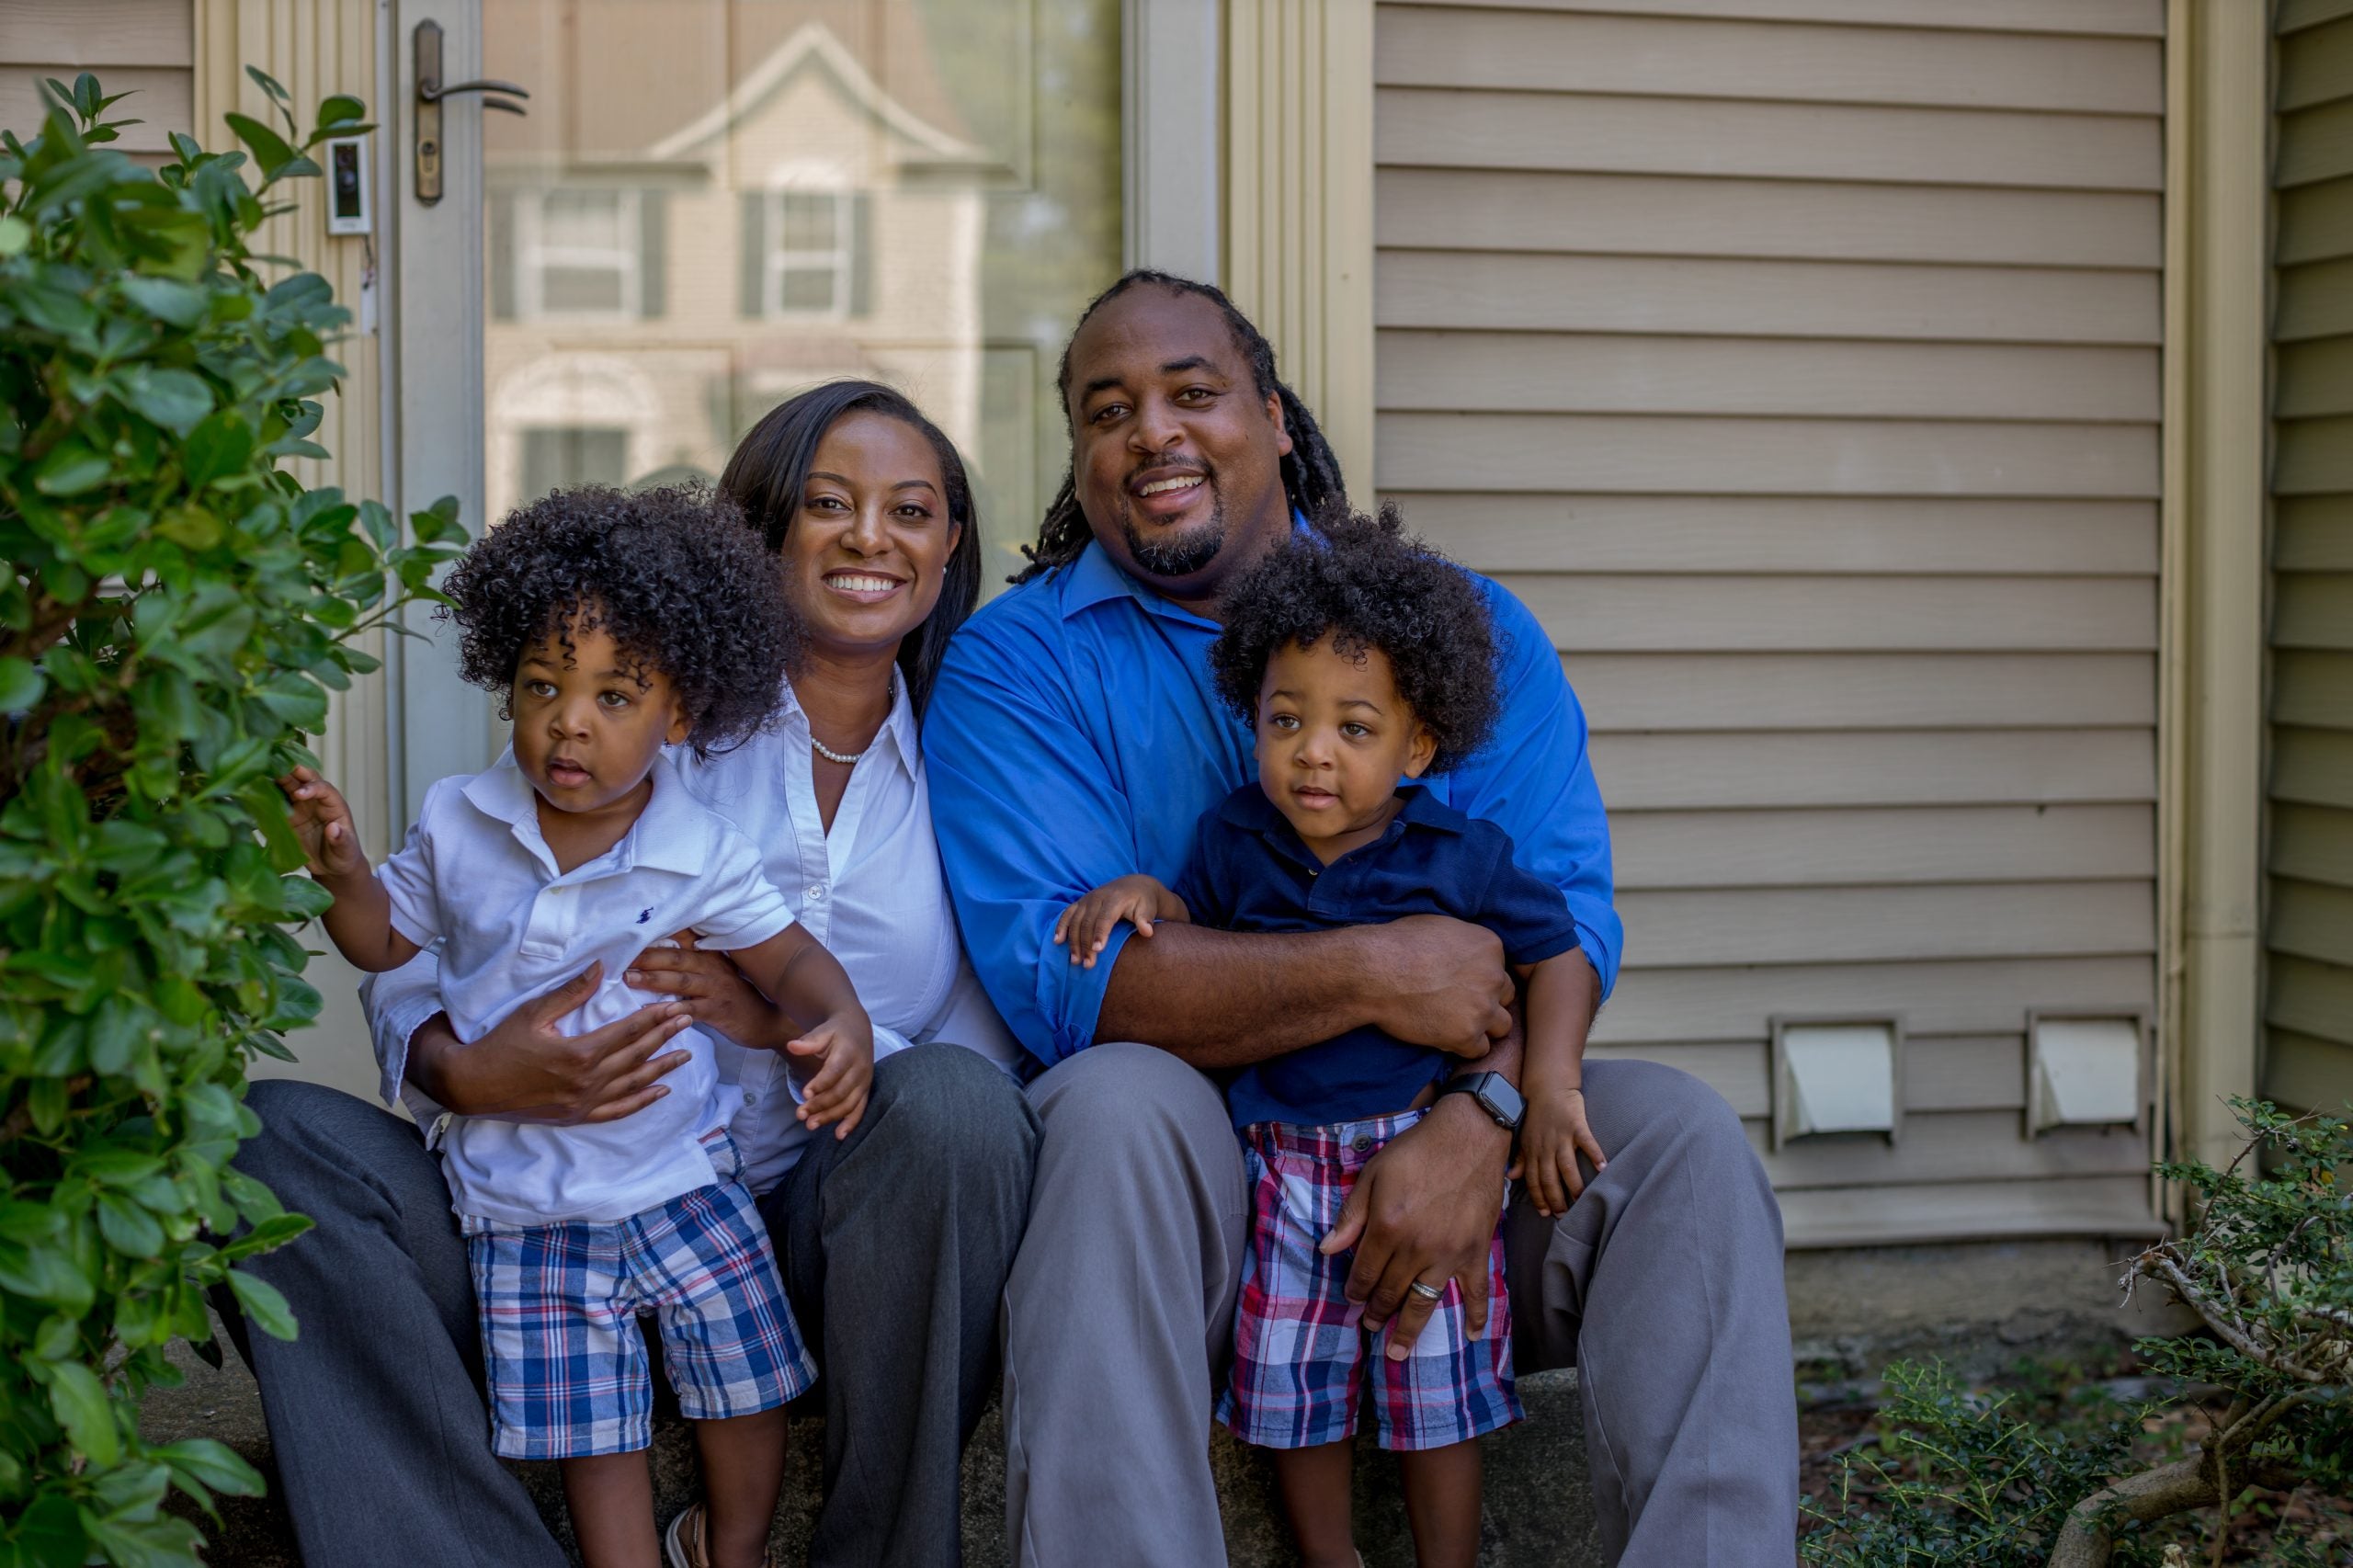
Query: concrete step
point(1538, 1511)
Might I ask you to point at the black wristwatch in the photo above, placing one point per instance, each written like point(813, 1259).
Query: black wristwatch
point(1494, 1094)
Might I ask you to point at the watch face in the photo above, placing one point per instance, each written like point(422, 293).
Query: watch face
point(1502, 1101)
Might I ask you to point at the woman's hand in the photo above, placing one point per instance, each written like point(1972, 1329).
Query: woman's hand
point(1140, 899)
point(526, 1070)
point(844, 1047)
point(715, 993)
point(1551, 1137)
point(321, 820)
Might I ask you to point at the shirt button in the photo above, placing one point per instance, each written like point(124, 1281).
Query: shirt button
point(816, 891)
point(1362, 1143)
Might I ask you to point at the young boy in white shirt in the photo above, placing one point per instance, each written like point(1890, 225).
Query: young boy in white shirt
point(613, 625)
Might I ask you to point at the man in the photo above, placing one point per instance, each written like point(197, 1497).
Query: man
point(1074, 737)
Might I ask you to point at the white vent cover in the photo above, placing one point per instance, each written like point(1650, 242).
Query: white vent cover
point(2083, 1072)
point(1835, 1076)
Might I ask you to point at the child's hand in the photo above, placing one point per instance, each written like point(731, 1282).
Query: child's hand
point(844, 1046)
point(1140, 899)
point(323, 822)
point(1551, 1138)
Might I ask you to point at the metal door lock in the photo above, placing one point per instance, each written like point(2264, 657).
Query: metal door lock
point(430, 91)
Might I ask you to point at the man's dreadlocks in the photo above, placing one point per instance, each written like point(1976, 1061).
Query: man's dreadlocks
point(1311, 473)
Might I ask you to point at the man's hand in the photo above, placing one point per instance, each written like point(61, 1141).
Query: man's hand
point(524, 1069)
point(1425, 1208)
point(1445, 983)
point(1551, 1138)
point(713, 989)
point(844, 1048)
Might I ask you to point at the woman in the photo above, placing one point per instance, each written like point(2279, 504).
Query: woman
point(894, 1242)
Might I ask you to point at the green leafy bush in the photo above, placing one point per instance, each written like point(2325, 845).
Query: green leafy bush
point(1958, 1478)
point(176, 611)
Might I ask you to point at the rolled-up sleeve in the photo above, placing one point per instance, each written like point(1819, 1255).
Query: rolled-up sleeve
point(399, 1003)
point(1027, 824)
point(1534, 779)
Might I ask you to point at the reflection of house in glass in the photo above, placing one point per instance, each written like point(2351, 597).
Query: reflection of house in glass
point(659, 278)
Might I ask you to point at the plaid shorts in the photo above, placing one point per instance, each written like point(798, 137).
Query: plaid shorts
point(1301, 1352)
point(567, 1366)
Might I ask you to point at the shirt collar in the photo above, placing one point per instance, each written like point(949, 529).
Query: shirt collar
point(1093, 578)
point(1249, 808)
point(665, 837)
point(899, 732)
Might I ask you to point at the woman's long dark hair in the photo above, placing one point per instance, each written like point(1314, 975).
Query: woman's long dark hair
point(1311, 473)
point(769, 472)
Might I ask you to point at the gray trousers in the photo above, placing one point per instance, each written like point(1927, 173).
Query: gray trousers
point(1662, 1284)
point(894, 1245)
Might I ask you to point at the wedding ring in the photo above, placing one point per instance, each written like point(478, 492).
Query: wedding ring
point(1426, 1290)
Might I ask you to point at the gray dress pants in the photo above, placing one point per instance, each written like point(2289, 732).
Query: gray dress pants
point(894, 1245)
point(1662, 1284)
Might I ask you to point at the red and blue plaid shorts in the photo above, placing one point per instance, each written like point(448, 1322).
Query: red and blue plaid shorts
point(567, 1366)
point(1300, 1349)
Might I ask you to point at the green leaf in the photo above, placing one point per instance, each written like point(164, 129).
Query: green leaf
point(129, 1228)
point(268, 84)
point(72, 468)
point(170, 301)
point(221, 446)
point(270, 151)
point(211, 1466)
point(20, 685)
point(436, 522)
point(15, 235)
point(79, 1402)
point(264, 1308)
point(174, 399)
point(340, 109)
point(50, 1533)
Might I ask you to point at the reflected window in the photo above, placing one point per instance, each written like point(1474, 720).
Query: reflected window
point(558, 459)
point(806, 255)
point(579, 254)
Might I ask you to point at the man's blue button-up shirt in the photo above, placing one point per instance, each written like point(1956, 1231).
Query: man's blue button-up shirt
point(1075, 736)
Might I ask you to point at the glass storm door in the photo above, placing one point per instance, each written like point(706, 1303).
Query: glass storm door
point(711, 204)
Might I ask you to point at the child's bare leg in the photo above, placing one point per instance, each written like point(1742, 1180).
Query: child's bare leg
point(743, 1472)
point(1442, 1503)
point(611, 1499)
point(1314, 1486)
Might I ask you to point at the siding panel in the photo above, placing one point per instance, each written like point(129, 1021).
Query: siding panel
point(1765, 298)
point(1445, 128)
point(1819, 535)
point(1517, 210)
point(1796, 362)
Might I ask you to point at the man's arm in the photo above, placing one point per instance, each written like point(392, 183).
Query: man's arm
point(1223, 999)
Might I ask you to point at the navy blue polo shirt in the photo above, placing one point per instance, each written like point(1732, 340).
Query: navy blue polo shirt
point(1250, 872)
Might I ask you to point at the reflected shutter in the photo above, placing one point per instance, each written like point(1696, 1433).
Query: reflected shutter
point(653, 253)
point(752, 253)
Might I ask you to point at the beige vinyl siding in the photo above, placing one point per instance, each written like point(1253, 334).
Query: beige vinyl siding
point(2308, 926)
point(1796, 361)
point(145, 47)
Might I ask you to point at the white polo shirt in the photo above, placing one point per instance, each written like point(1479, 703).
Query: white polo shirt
point(477, 876)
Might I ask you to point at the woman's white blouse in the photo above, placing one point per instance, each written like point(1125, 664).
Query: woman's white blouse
point(871, 890)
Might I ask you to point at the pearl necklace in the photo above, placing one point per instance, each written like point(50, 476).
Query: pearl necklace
point(849, 759)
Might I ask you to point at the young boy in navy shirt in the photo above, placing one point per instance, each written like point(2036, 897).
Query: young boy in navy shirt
point(1361, 658)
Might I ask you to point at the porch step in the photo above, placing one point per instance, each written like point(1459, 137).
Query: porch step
point(1538, 1511)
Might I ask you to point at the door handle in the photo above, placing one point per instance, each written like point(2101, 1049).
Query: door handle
point(430, 91)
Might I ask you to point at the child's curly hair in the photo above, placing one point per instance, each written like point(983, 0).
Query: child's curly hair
point(1367, 583)
point(674, 575)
